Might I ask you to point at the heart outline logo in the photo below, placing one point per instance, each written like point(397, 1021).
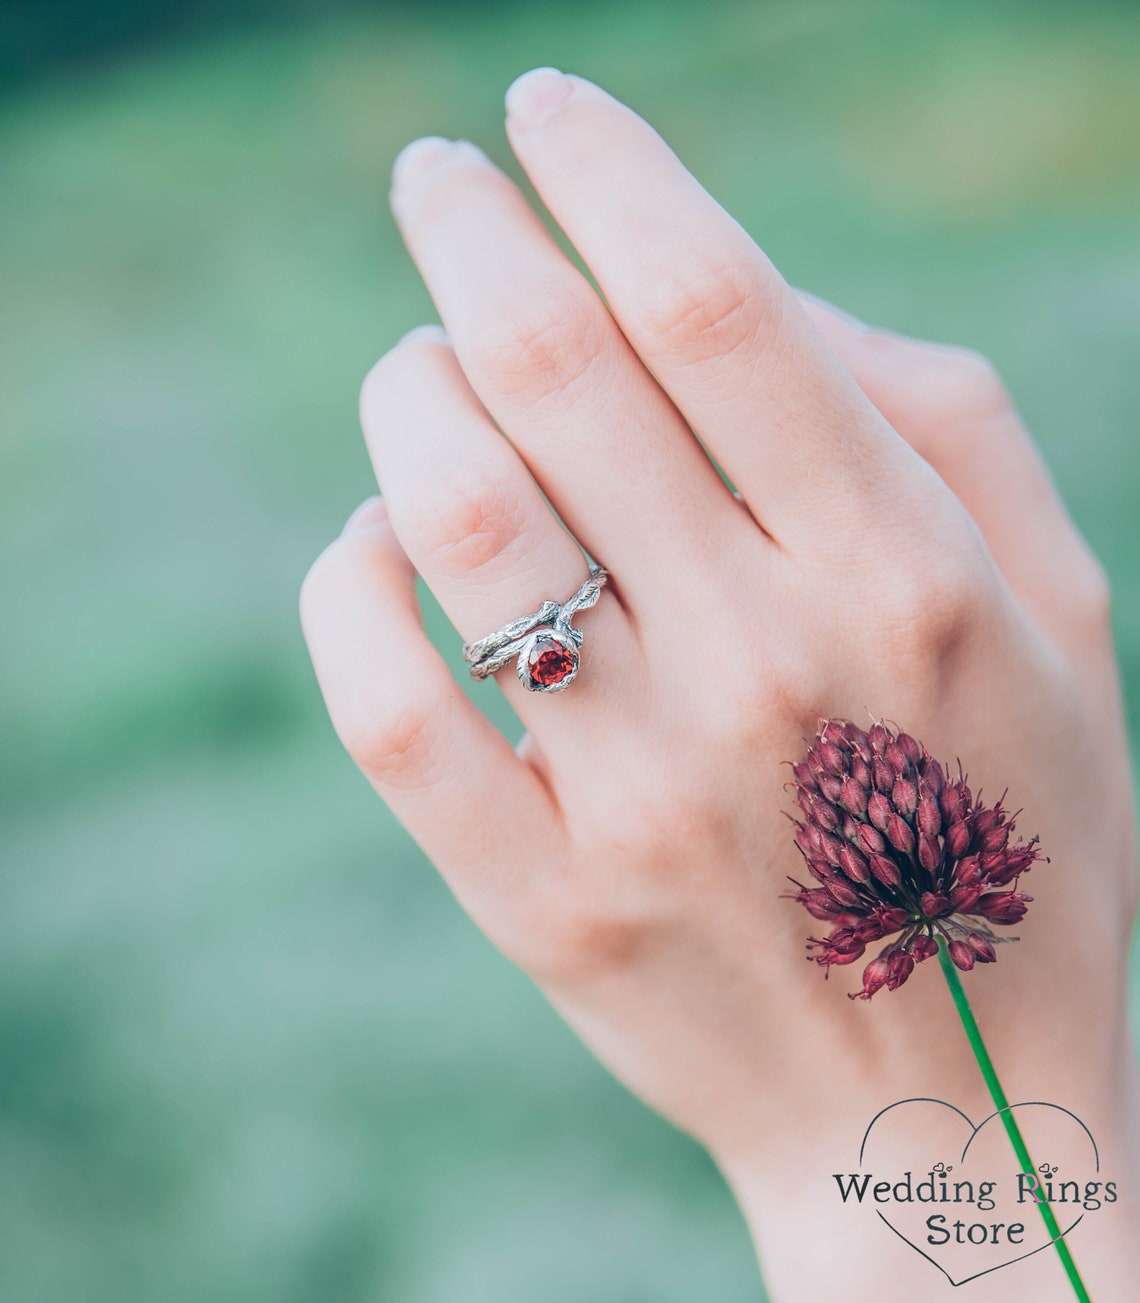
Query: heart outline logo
point(974, 1131)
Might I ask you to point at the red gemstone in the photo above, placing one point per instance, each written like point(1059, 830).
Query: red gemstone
point(549, 662)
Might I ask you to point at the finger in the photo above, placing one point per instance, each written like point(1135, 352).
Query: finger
point(448, 775)
point(474, 524)
point(952, 408)
point(615, 458)
point(708, 313)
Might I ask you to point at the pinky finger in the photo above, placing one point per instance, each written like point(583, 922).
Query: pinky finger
point(446, 772)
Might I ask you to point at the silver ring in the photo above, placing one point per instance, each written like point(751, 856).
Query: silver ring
point(546, 644)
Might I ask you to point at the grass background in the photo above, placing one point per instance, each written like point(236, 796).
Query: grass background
point(249, 1047)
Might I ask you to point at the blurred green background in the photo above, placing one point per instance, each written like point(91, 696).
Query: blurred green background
point(249, 1047)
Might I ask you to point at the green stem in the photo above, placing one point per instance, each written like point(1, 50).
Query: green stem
point(1001, 1103)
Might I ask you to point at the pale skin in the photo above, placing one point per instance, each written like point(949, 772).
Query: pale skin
point(895, 548)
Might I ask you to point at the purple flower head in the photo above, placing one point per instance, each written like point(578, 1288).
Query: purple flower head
point(898, 850)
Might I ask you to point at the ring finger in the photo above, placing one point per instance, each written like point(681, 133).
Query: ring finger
point(472, 520)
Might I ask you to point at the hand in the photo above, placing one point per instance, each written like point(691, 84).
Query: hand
point(895, 549)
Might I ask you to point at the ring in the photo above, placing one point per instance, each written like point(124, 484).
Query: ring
point(545, 642)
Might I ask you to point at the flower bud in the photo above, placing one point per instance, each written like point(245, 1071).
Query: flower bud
point(928, 817)
point(886, 870)
point(895, 756)
point(934, 904)
point(832, 734)
point(950, 803)
point(929, 852)
point(829, 787)
point(900, 965)
point(1021, 857)
point(842, 891)
point(830, 846)
point(853, 797)
point(1002, 907)
point(879, 738)
point(982, 947)
point(899, 834)
point(879, 810)
point(817, 903)
point(982, 821)
point(844, 941)
point(964, 897)
point(932, 775)
point(868, 929)
point(891, 918)
point(875, 977)
point(923, 947)
point(854, 864)
point(831, 958)
point(871, 840)
point(995, 839)
point(820, 870)
point(969, 869)
point(1009, 865)
point(963, 957)
point(904, 795)
point(823, 815)
point(958, 838)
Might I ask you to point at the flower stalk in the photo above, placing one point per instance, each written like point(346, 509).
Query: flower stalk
point(1002, 1105)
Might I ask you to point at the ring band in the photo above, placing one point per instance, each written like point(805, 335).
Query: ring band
point(545, 643)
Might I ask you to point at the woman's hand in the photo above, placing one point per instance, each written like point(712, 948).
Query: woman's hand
point(895, 549)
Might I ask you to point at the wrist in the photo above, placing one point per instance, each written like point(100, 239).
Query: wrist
point(813, 1234)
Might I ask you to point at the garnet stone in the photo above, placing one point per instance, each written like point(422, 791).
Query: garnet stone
point(550, 662)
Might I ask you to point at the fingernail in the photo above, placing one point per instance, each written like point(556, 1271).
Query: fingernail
point(534, 96)
point(425, 154)
point(431, 330)
point(371, 511)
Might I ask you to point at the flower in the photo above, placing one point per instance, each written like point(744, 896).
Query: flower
point(901, 850)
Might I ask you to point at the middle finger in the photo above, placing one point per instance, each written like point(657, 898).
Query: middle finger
point(711, 316)
point(614, 456)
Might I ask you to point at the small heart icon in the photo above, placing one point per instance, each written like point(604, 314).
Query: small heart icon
point(957, 1196)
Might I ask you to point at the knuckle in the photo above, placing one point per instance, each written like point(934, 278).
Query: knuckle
point(936, 602)
point(700, 309)
point(1094, 596)
point(967, 386)
point(581, 945)
point(466, 520)
point(393, 743)
point(544, 347)
point(976, 375)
